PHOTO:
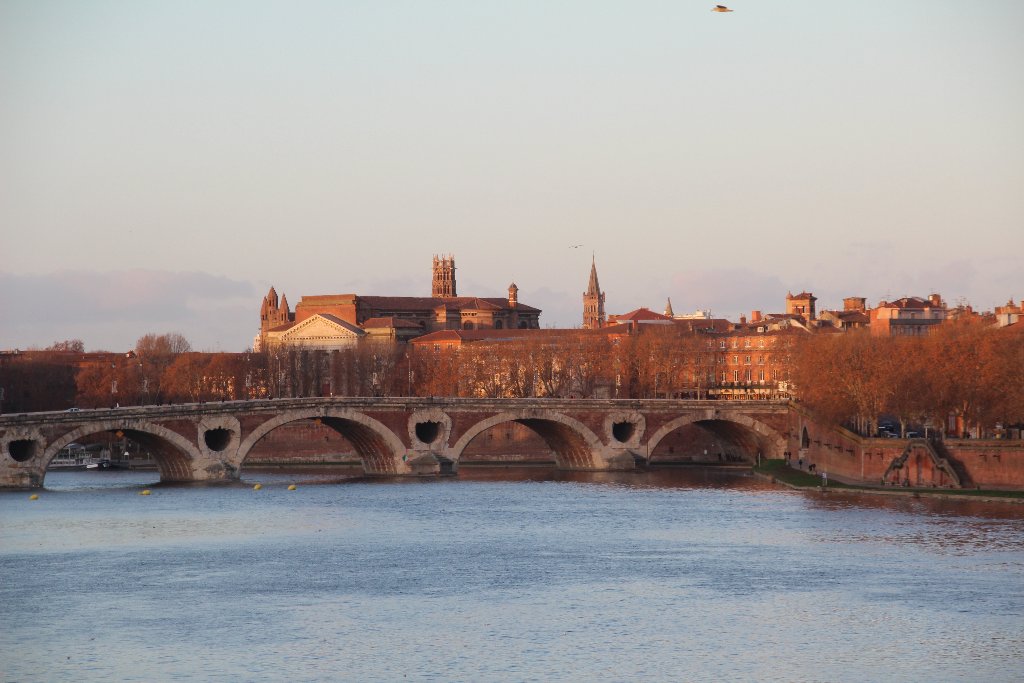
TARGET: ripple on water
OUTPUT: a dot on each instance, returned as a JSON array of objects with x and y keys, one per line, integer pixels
[{"x": 545, "y": 578}]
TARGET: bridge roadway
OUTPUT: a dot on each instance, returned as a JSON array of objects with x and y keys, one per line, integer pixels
[{"x": 393, "y": 436}]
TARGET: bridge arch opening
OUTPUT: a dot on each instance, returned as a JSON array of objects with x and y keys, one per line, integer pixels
[
  {"x": 428, "y": 431},
  {"x": 170, "y": 453},
  {"x": 217, "y": 439},
  {"x": 378, "y": 450},
  {"x": 22, "y": 450},
  {"x": 623, "y": 431},
  {"x": 712, "y": 442},
  {"x": 529, "y": 440}
]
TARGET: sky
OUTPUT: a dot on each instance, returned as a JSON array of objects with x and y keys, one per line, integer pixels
[{"x": 162, "y": 164}]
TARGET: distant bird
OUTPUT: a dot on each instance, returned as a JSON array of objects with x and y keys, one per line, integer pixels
[
  {"x": 721, "y": 8},
  {"x": 575, "y": 246}
]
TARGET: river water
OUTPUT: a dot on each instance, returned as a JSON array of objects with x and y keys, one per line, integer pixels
[{"x": 698, "y": 575}]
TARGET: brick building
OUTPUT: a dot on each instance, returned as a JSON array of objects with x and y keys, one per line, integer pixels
[
  {"x": 335, "y": 321},
  {"x": 907, "y": 317}
]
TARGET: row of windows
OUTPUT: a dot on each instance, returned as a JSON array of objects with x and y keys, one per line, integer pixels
[{"x": 735, "y": 344}]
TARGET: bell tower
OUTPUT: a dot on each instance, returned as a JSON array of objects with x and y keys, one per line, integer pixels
[
  {"x": 444, "y": 277},
  {"x": 593, "y": 301}
]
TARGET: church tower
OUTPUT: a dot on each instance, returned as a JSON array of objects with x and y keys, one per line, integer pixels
[
  {"x": 593, "y": 302},
  {"x": 444, "y": 277},
  {"x": 273, "y": 312}
]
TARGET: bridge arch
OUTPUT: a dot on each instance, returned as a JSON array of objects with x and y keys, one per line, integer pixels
[
  {"x": 378, "y": 447},
  {"x": 574, "y": 444},
  {"x": 749, "y": 432},
  {"x": 175, "y": 456}
]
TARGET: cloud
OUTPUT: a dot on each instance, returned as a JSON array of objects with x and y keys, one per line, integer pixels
[{"x": 113, "y": 309}]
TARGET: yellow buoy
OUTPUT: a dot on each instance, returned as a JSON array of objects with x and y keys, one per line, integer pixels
[
  {"x": 144, "y": 492},
  {"x": 34, "y": 496},
  {"x": 291, "y": 487},
  {"x": 257, "y": 487}
]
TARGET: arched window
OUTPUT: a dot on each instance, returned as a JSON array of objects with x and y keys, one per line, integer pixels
[
  {"x": 805, "y": 440},
  {"x": 468, "y": 325}
]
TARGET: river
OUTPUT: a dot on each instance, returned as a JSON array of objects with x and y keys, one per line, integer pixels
[{"x": 698, "y": 575}]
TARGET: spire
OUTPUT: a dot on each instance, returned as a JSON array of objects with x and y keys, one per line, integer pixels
[
  {"x": 668, "y": 309},
  {"x": 593, "y": 301},
  {"x": 593, "y": 288}
]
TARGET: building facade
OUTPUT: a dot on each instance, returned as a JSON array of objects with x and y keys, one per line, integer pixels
[{"x": 337, "y": 321}]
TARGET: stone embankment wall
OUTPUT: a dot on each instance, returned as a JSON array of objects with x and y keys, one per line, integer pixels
[{"x": 991, "y": 464}]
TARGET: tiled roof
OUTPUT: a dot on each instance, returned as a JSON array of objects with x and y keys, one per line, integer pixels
[
  {"x": 513, "y": 334},
  {"x": 642, "y": 314},
  {"x": 337, "y": 321},
  {"x": 428, "y": 303}
]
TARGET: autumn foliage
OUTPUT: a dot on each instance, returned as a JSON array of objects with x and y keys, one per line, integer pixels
[{"x": 964, "y": 370}]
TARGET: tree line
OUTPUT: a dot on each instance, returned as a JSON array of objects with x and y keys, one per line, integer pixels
[
  {"x": 962, "y": 369},
  {"x": 964, "y": 377}
]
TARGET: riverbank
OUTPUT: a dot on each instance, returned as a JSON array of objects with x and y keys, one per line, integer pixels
[{"x": 779, "y": 472}]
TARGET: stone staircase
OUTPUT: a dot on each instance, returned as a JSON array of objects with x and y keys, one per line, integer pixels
[{"x": 940, "y": 461}]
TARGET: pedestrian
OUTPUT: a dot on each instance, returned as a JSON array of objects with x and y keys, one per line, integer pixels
[
  {"x": 800, "y": 463},
  {"x": 824, "y": 478}
]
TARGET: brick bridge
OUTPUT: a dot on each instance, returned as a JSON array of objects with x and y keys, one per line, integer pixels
[{"x": 393, "y": 436}]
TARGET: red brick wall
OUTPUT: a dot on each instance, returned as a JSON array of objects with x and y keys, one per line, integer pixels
[{"x": 987, "y": 464}]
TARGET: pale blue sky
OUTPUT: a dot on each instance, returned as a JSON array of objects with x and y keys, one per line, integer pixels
[{"x": 163, "y": 163}]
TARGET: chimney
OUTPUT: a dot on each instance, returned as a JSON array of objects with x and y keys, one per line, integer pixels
[
  {"x": 755, "y": 316},
  {"x": 743, "y": 320},
  {"x": 855, "y": 303}
]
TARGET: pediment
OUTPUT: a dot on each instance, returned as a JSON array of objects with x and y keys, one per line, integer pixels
[{"x": 320, "y": 327}]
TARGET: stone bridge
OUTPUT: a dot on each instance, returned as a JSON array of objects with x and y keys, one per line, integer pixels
[{"x": 393, "y": 436}]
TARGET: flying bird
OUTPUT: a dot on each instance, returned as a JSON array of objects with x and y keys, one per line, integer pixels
[
  {"x": 575, "y": 246},
  {"x": 721, "y": 8}
]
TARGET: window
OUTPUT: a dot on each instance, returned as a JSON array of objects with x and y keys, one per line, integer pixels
[
  {"x": 746, "y": 343},
  {"x": 746, "y": 361},
  {"x": 735, "y": 375},
  {"x": 735, "y": 360},
  {"x": 735, "y": 343},
  {"x": 761, "y": 376},
  {"x": 760, "y": 343},
  {"x": 721, "y": 344},
  {"x": 760, "y": 360},
  {"x": 746, "y": 375}
]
